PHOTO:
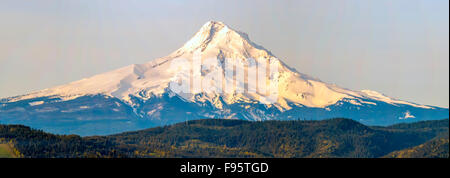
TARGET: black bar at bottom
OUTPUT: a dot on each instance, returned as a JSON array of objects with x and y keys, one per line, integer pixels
[{"x": 228, "y": 166}]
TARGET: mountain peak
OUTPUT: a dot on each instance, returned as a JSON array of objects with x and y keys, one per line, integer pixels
[
  {"x": 215, "y": 38},
  {"x": 213, "y": 24}
]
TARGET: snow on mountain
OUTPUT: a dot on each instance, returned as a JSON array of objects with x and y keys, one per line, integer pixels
[
  {"x": 407, "y": 115},
  {"x": 214, "y": 40}
]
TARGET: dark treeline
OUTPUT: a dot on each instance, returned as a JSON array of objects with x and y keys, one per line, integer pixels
[{"x": 235, "y": 138}]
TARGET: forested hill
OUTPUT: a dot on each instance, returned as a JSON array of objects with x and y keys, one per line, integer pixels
[
  {"x": 237, "y": 138},
  {"x": 436, "y": 148}
]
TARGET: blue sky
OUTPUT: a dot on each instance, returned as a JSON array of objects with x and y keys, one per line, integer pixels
[{"x": 399, "y": 48}]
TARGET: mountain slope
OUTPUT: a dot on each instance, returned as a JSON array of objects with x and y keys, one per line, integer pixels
[
  {"x": 140, "y": 95},
  {"x": 5, "y": 151},
  {"x": 436, "y": 148},
  {"x": 234, "y": 138},
  {"x": 214, "y": 40}
]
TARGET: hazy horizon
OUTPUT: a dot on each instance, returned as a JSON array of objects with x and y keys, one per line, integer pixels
[{"x": 399, "y": 48}]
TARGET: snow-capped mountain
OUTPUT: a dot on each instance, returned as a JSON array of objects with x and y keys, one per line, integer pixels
[{"x": 140, "y": 95}]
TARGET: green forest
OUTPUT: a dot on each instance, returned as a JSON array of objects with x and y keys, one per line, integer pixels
[{"x": 245, "y": 139}]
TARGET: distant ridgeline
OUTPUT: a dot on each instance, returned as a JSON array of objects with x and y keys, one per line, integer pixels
[{"x": 238, "y": 138}]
